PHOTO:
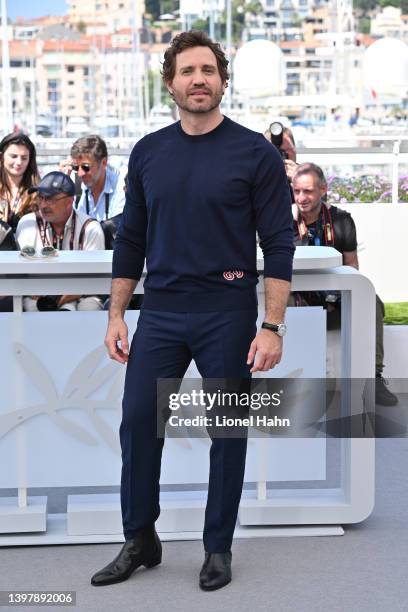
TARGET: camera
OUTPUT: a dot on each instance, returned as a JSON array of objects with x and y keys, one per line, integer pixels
[{"x": 276, "y": 130}]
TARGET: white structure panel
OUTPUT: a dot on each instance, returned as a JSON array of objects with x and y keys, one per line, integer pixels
[{"x": 353, "y": 501}]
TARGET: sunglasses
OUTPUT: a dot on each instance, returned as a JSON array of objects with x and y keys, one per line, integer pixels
[
  {"x": 84, "y": 167},
  {"x": 30, "y": 253},
  {"x": 44, "y": 198}
]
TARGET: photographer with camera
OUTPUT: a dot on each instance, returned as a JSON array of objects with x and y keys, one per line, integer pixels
[
  {"x": 58, "y": 226},
  {"x": 283, "y": 139},
  {"x": 316, "y": 224}
]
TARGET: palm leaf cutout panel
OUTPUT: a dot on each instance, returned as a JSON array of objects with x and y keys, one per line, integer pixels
[
  {"x": 36, "y": 372},
  {"x": 97, "y": 379},
  {"x": 109, "y": 436},
  {"x": 116, "y": 389},
  {"x": 83, "y": 371},
  {"x": 42, "y": 380}
]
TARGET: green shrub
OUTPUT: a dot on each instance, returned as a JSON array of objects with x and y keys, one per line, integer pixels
[{"x": 396, "y": 313}]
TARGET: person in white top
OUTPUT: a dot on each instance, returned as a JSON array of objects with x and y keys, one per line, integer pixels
[{"x": 57, "y": 224}]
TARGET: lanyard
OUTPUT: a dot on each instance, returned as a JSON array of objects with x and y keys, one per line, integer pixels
[
  {"x": 324, "y": 228},
  {"x": 106, "y": 203},
  {"x": 57, "y": 241},
  {"x": 9, "y": 208},
  {"x": 14, "y": 205}
]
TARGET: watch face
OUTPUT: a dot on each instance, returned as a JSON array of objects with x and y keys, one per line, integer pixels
[{"x": 281, "y": 329}]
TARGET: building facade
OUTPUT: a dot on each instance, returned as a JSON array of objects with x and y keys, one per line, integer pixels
[
  {"x": 390, "y": 22},
  {"x": 105, "y": 16}
]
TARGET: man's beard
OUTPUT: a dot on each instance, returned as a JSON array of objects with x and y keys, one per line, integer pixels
[{"x": 212, "y": 102}]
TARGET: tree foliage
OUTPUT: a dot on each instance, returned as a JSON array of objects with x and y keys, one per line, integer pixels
[
  {"x": 158, "y": 7},
  {"x": 239, "y": 9},
  {"x": 365, "y": 6},
  {"x": 402, "y": 4},
  {"x": 153, "y": 7},
  {"x": 201, "y": 24}
]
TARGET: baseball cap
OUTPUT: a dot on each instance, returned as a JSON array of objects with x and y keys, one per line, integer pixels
[{"x": 54, "y": 183}]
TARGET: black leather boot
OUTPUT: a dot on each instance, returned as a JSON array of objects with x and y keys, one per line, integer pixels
[
  {"x": 144, "y": 549},
  {"x": 383, "y": 396},
  {"x": 216, "y": 571}
]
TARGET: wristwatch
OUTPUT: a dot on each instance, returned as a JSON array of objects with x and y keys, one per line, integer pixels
[{"x": 279, "y": 329}]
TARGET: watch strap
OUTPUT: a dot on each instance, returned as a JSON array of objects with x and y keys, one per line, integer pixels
[{"x": 271, "y": 326}]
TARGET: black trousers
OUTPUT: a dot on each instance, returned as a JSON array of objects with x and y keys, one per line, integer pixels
[{"x": 162, "y": 347}]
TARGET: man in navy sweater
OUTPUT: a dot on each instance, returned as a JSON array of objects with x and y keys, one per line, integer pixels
[{"x": 198, "y": 192}]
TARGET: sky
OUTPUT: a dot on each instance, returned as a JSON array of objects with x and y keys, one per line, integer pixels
[{"x": 35, "y": 8}]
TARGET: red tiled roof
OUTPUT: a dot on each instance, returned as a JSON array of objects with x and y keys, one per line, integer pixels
[
  {"x": 366, "y": 39},
  {"x": 44, "y": 20},
  {"x": 298, "y": 44},
  {"x": 71, "y": 46},
  {"x": 22, "y": 48},
  {"x": 124, "y": 31}
]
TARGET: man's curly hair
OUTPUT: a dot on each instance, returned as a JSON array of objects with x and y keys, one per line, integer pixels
[{"x": 188, "y": 40}]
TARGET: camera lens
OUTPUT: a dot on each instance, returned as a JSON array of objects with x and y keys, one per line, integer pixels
[{"x": 276, "y": 128}]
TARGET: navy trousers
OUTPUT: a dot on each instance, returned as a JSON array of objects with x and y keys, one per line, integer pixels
[{"x": 162, "y": 347}]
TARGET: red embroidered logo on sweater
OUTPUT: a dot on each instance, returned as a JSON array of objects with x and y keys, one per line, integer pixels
[{"x": 231, "y": 274}]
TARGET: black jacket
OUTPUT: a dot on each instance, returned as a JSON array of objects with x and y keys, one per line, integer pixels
[{"x": 344, "y": 231}]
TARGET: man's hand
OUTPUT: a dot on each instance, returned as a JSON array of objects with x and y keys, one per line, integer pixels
[
  {"x": 290, "y": 167},
  {"x": 117, "y": 333},
  {"x": 265, "y": 351},
  {"x": 65, "y": 166},
  {"x": 122, "y": 291},
  {"x": 65, "y": 299}
]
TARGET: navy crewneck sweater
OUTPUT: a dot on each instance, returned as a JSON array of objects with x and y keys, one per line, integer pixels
[{"x": 193, "y": 207}]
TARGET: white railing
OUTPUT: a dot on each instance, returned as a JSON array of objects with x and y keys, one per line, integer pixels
[
  {"x": 358, "y": 162},
  {"x": 389, "y": 158}
]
